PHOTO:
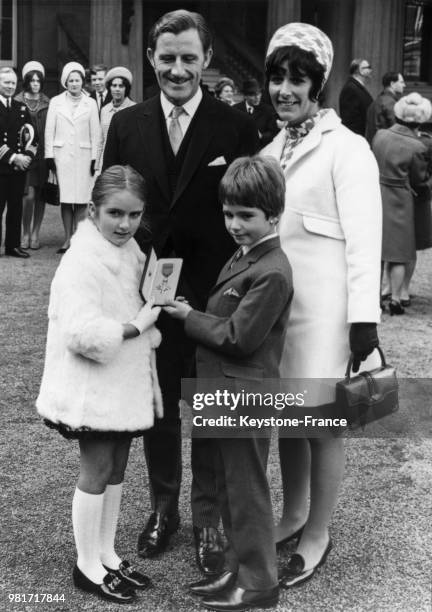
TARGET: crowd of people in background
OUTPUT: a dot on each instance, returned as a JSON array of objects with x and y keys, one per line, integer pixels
[{"x": 196, "y": 167}]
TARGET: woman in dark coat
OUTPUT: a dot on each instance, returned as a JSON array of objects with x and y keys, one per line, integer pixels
[
  {"x": 33, "y": 74},
  {"x": 403, "y": 163}
]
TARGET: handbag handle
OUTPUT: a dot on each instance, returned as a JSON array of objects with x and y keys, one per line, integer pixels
[{"x": 351, "y": 360}]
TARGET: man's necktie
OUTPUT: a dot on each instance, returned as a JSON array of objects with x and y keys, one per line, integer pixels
[
  {"x": 8, "y": 103},
  {"x": 175, "y": 133},
  {"x": 250, "y": 110},
  {"x": 100, "y": 102}
]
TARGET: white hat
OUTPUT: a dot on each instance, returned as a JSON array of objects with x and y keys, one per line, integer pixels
[
  {"x": 308, "y": 38},
  {"x": 33, "y": 65},
  {"x": 413, "y": 108},
  {"x": 119, "y": 72},
  {"x": 71, "y": 67}
]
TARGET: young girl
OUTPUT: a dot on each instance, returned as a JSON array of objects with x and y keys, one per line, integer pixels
[{"x": 99, "y": 383}]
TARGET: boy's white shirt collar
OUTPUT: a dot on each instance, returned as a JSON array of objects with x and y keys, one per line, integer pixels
[
  {"x": 190, "y": 106},
  {"x": 248, "y": 248}
]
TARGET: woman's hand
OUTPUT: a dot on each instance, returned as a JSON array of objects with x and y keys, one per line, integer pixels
[
  {"x": 146, "y": 317},
  {"x": 178, "y": 308},
  {"x": 363, "y": 339}
]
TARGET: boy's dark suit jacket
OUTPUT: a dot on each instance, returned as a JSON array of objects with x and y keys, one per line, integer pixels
[
  {"x": 241, "y": 336},
  {"x": 264, "y": 118},
  {"x": 186, "y": 220}
]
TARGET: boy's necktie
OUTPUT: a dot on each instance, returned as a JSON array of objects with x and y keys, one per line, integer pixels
[
  {"x": 175, "y": 133},
  {"x": 237, "y": 255}
]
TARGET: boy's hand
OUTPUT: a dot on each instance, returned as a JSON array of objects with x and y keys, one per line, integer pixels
[
  {"x": 179, "y": 308},
  {"x": 146, "y": 317}
]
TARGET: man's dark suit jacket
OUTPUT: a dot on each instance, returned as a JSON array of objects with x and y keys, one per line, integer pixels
[
  {"x": 265, "y": 120},
  {"x": 107, "y": 100},
  {"x": 354, "y": 100},
  {"x": 187, "y": 222}
]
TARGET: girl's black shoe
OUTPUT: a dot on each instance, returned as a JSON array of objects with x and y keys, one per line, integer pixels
[
  {"x": 395, "y": 308},
  {"x": 112, "y": 587},
  {"x": 130, "y": 576}
]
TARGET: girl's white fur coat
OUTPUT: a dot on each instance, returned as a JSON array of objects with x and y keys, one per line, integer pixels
[{"x": 92, "y": 377}]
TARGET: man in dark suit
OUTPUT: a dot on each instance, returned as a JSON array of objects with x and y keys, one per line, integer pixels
[
  {"x": 181, "y": 142},
  {"x": 99, "y": 93},
  {"x": 354, "y": 98},
  {"x": 262, "y": 114},
  {"x": 380, "y": 114},
  {"x": 16, "y": 154}
]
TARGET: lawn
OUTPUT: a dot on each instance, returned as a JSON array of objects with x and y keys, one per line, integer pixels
[{"x": 381, "y": 558}]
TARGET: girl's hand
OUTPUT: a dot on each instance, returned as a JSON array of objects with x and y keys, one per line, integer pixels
[
  {"x": 179, "y": 308},
  {"x": 146, "y": 317}
]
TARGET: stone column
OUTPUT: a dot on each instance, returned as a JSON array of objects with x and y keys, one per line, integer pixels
[
  {"x": 378, "y": 36},
  {"x": 105, "y": 40},
  {"x": 280, "y": 12},
  {"x": 335, "y": 18}
]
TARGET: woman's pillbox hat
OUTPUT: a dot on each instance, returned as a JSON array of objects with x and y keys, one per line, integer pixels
[
  {"x": 306, "y": 37},
  {"x": 68, "y": 68},
  {"x": 413, "y": 108},
  {"x": 119, "y": 72},
  {"x": 30, "y": 66}
]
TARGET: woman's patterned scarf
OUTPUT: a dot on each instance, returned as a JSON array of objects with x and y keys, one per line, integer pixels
[{"x": 296, "y": 133}]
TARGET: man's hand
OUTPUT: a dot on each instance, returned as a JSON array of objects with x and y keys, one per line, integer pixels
[
  {"x": 21, "y": 162},
  {"x": 178, "y": 309}
]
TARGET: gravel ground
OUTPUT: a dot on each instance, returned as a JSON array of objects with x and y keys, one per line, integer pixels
[{"x": 381, "y": 530}]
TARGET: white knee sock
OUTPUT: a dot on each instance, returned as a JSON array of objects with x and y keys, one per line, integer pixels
[
  {"x": 110, "y": 514},
  {"x": 86, "y": 521}
]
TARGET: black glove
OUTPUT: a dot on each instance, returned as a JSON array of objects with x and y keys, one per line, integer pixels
[
  {"x": 92, "y": 167},
  {"x": 51, "y": 164},
  {"x": 363, "y": 339}
]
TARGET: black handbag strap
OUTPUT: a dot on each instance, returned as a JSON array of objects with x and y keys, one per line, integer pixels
[{"x": 351, "y": 360}]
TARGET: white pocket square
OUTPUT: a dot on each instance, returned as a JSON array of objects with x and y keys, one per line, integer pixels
[
  {"x": 219, "y": 161},
  {"x": 231, "y": 291}
]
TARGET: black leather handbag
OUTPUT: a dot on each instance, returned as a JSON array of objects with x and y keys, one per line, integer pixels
[
  {"x": 50, "y": 191},
  {"x": 367, "y": 396}
]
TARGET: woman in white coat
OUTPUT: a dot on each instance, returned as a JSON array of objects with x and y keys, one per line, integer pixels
[
  {"x": 71, "y": 143},
  {"x": 331, "y": 233},
  {"x": 100, "y": 384}
]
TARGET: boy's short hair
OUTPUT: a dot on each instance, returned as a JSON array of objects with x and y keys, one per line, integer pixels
[{"x": 256, "y": 182}]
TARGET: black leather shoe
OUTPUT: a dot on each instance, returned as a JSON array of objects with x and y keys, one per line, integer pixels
[
  {"x": 210, "y": 556},
  {"x": 294, "y": 536},
  {"x": 236, "y": 598},
  {"x": 131, "y": 576},
  {"x": 17, "y": 252},
  {"x": 155, "y": 537},
  {"x": 112, "y": 588},
  {"x": 294, "y": 574},
  {"x": 209, "y": 586}
]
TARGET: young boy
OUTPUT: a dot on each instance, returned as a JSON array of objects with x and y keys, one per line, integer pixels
[{"x": 241, "y": 335}]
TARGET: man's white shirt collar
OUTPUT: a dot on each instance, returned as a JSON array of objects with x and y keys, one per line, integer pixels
[
  {"x": 190, "y": 106},
  {"x": 4, "y": 100}
]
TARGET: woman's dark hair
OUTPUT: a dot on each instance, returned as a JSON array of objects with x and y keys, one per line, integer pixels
[
  {"x": 28, "y": 77},
  {"x": 254, "y": 182},
  {"x": 125, "y": 83},
  {"x": 300, "y": 63},
  {"x": 119, "y": 178}
]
